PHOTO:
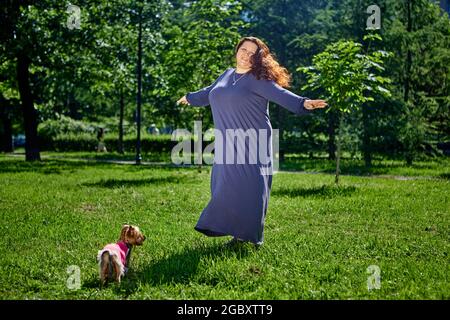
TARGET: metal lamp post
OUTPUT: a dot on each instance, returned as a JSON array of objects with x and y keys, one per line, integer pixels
[{"x": 139, "y": 90}]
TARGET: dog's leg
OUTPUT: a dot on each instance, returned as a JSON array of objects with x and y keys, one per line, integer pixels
[
  {"x": 118, "y": 272},
  {"x": 104, "y": 267},
  {"x": 128, "y": 259}
]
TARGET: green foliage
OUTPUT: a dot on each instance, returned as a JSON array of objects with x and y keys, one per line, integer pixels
[
  {"x": 200, "y": 44},
  {"x": 419, "y": 35},
  {"x": 294, "y": 31},
  {"x": 347, "y": 75},
  {"x": 64, "y": 125},
  {"x": 83, "y": 73},
  {"x": 87, "y": 141},
  {"x": 298, "y": 142}
]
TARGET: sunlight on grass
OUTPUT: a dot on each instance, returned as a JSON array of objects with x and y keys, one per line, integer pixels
[{"x": 319, "y": 238}]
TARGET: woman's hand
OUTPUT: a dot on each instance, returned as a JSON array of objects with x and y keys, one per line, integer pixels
[
  {"x": 183, "y": 100},
  {"x": 315, "y": 104}
]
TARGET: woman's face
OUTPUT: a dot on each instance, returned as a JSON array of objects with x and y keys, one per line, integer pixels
[{"x": 244, "y": 54}]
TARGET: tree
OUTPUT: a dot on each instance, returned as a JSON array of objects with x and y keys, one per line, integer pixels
[
  {"x": 18, "y": 38},
  {"x": 36, "y": 39},
  {"x": 419, "y": 36},
  {"x": 200, "y": 39},
  {"x": 9, "y": 106},
  {"x": 348, "y": 76},
  {"x": 293, "y": 30}
]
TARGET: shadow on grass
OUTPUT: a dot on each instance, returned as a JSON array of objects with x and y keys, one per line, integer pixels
[
  {"x": 176, "y": 268},
  {"x": 324, "y": 191},
  {"x": 180, "y": 267},
  {"x": 93, "y": 282},
  {"x": 322, "y": 166},
  {"x": 57, "y": 166},
  {"x": 445, "y": 175},
  {"x": 46, "y": 166},
  {"x": 357, "y": 167},
  {"x": 113, "y": 183}
]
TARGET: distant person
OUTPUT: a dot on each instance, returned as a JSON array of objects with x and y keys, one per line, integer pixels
[
  {"x": 100, "y": 137},
  {"x": 239, "y": 100},
  {"x": 153, "y": 130}
]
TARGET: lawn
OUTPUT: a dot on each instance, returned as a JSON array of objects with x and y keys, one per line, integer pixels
[{"x": 319, "y": 239}]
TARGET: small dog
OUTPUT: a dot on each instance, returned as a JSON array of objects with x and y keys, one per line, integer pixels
[{"x": 114, "y": 258}]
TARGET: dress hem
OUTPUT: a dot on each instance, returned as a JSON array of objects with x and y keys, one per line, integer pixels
[{"x": 211, "y": 233}]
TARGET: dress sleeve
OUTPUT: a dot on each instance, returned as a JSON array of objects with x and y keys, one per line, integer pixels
[
  {"x": 200, "y": 98},
  {"x": 272, "y": 91}
]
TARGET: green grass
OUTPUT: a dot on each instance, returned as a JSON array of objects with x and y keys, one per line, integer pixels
[
  {"x": 435, "y": 168},
  {"x": 430, "y": 168},
  {"x": 319, "y": 239}
]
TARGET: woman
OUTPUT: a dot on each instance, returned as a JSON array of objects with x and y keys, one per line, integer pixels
[{"x": 239, "y": 100}]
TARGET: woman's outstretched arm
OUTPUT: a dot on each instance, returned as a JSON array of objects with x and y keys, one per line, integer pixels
[
  {"x": 270, "y": 90},
  {"x": 199, "y": 98}
]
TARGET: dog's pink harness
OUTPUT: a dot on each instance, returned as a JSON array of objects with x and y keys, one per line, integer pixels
[{"x": 121, "y": 250}]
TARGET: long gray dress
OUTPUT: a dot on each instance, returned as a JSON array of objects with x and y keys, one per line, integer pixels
[{"x": 240, "y": 190}]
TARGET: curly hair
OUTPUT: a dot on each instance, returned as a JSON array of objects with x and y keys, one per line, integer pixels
[{"x": 264, "y": 64}]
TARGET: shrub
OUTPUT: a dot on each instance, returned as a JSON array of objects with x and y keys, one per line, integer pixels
[{"x": 52, "y": 128}]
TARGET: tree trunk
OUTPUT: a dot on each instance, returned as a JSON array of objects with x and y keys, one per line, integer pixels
[
  {"x": 7, "y": 145},
  {"x": 408, "y": 55},
  {"x": 366, "y": 147},
  {"x": 338, "y": 155},
  {"x": 406, "y": 84},
  {"x": 30, "y": 116},
  {"x": 331, "y": 135},
  {"x": 72, "y": 106},
  {"x": 139, "y": 89},
  {"x": 407, "y": 74},
  {"x": 122, "y": 110},
  {"x": 409, "y": 159},
  {"x": 5, "y": 113}
]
